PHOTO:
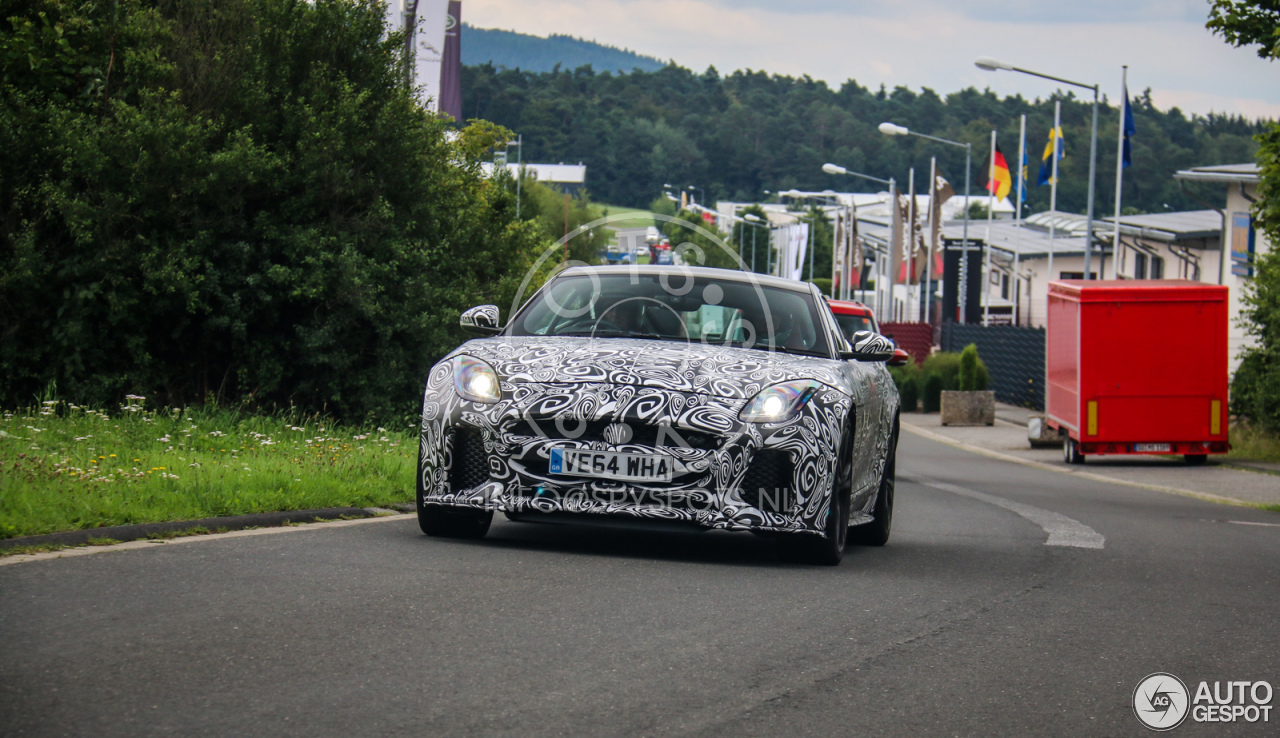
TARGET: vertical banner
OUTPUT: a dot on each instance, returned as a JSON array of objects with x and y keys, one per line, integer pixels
[
  {"x": 428, "y": 49},
  {"x": 791, "y": 241},
  {"x": 451, "y": 66}
]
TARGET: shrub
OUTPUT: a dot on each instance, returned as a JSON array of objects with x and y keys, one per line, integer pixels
[
  {"x": 946, "y": 366},
  {"x": 973, "y": 374},
  {"x": 907, "y": 379},
  {"x": 931, "y": 393},
  {"x": 823, "y": 284}
]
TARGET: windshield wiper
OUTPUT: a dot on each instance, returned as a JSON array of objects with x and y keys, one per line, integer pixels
[
  {"x": 610, "y": 333},
  {"x": 782, "y": 349}
]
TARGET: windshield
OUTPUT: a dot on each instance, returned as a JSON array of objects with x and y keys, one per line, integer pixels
[
  {"x": 851, "y": 324},
  {"x": 675, "y": 307}
]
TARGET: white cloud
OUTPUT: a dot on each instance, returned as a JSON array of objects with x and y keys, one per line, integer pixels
[{"x": 925, "y": 44}]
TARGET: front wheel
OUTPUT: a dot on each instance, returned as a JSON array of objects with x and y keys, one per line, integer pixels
[
  {"x": 806, "y": 548},
  {"x": 442, "y": 521},
  {"x": 453, "y": 522}
]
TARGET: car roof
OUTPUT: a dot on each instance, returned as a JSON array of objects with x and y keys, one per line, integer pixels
[
  {"x": 728, "y": 275},
  {"x": 847, "y": 307}
]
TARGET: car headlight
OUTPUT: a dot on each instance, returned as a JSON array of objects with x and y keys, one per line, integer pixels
[
  {"x": 778, "y": 402},
  {"x": 475, "y": 380}
]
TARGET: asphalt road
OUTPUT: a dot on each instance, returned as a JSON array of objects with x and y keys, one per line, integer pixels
[{"x": 967, "y": 623}]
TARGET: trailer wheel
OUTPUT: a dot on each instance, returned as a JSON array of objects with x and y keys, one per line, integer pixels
[
  {"x": 1071, "y": 451},
  {"x": 1195, "y": 459}
]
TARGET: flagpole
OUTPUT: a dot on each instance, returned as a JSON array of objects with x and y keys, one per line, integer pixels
[
  {"x": 909, "y": 262},
  {"x": 1017, "y": 234},
  {"x": 1053, "y": 189},
  {"x": 1115, "y": 240},
  {"x": 992, "y": 188},
  {"x": 928, "y": 268}
]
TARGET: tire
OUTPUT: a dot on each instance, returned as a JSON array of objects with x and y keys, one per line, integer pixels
[
  {"x": 876, "y": 533},
  {"x": 1071, "y": 451},
  {"x": 1195, "y": 459},
  {"x": 453, "y": 522},
  {"x": 827, "y": 550},
  {"x": 441, "y": 521}
]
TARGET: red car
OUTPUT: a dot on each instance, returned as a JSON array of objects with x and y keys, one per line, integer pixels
[{"x": 853, "y": 317}]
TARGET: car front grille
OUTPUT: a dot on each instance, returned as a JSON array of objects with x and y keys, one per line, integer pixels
[
  {"x": 641, "y": 434},
  {"x": 767, "y": 484},
  {"x": 470, "y": 467}
]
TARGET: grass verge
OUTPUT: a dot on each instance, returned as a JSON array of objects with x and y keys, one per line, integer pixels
[
  {"x": 1248, "y": 442},
  {"x": 67, "y": 467}
]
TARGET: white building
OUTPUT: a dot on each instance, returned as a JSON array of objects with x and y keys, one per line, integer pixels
[{"x": 1244, "y": 242}]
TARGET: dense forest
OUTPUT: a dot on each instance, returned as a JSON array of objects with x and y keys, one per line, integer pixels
[
  {"x": 739, "y": 135},
  {"x": 511, "y": 50}
]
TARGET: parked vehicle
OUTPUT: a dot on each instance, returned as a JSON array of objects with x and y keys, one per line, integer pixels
[
  {"x": 1138, "y": 367},
  {"x": 704, "y": 397},
  {"x": 853, "y": 316}
]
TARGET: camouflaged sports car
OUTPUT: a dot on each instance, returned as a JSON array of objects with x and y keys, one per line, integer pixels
[{"x": 671, "y": 395}]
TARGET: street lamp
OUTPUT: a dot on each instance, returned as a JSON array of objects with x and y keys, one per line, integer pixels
[
  {"x": 756, "y": 221},
  {"x": 518, "y": 143},
  {"x": 993, "y": 65},
  {"x": 889, "y": 129},
  {"x": 830, "y": 168}
]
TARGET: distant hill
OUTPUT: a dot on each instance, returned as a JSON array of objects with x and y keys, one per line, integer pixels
[{"x": 537, "y": 54}]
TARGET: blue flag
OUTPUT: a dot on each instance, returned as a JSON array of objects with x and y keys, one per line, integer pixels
[
  {"x": 1046, "y": 161},
  {"x": 1022, "y": 178},
  {"x": 1129, "y": 129}
]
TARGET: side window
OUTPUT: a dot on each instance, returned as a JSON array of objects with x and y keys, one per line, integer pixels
[{"x": 833, "y": 327}]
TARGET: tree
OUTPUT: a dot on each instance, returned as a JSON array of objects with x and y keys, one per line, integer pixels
[
  {"x": 1256, "y": 386},
  {"x": 237, "y": 199}
]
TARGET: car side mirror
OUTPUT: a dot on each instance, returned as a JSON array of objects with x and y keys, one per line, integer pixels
[
  {"x": 900, "y": 358},
  {"x": 868, "y": 346},
  {"x": 481, "y": 319}
]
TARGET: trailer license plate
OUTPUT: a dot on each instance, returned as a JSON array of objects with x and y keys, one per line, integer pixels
[
  {"x": 1159, "y": 448},
  {"x": 579, "y": 462}
]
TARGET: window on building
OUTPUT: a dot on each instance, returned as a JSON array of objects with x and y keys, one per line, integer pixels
[
  {"x": 1140, "y": 266},
  {"x": 1157, "y": 267},
  {"x": 1076, "y": 275}
]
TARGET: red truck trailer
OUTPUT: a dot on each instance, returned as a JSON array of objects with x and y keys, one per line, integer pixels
[{"x": 1137, "y": 367}]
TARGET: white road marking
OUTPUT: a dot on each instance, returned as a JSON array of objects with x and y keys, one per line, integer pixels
[
  {"x": 1250, "y": 522},
  {"x": 1063, "y": 531}
]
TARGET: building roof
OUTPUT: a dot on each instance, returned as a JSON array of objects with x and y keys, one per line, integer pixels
[
  {"x": 1170, "y": 227},
  {"x": 1226, "y": 173},
  {"x": 559, "y": 173}
]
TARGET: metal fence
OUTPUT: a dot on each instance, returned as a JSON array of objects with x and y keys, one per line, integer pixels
[{"x": 1014, "y": 357}]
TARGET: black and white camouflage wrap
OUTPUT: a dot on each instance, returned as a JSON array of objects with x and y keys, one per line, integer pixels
[{"x": 554, "y": 387}]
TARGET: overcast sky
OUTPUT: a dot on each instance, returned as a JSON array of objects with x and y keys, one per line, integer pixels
[{"x": 927, "y": 43}]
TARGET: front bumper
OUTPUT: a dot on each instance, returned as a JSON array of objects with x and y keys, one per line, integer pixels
[{"x": 727, "y": 474}]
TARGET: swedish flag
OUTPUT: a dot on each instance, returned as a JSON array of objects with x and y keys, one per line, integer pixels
[{"x": 1046, "y": 161}]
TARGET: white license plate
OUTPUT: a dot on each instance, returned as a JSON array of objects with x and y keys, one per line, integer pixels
[
  {"x": 578, "y": 462},
  {"x": 1159, "y": 448}
]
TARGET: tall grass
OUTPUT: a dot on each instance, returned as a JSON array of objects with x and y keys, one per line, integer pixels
[
  {"x": 1252, "y": 443},
  {"x": 68, "y": 467}
]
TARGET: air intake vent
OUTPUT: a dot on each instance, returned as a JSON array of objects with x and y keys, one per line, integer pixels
[
  {"x": 767, "y": 484},
  {"x": 470, "y": 463}
]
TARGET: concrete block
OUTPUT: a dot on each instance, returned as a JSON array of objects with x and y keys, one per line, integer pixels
[
  {"x": 1040, "y": 435},
  {"x": 968, "y": 408}
]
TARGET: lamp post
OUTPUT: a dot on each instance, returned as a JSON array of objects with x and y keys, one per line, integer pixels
[
  {"x": 519, "y": 144},
  {"x": 889, "y": 129},
  {"x": 993, "y": 65},
  {"x": 830, "y": 168},
  {"x": 752, "y": 219}
]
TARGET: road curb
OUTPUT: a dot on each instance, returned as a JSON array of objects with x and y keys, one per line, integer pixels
[
  {"x": 1206, "y": 497},
  {"x": 139, "y": 531}
]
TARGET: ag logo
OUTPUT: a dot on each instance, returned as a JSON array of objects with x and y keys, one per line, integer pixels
[{"x": 1160, "y": 701}]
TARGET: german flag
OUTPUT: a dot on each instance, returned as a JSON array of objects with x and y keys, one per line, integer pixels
[{"x": 1002, "y": 182}]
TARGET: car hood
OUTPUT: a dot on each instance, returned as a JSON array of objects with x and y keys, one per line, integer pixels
[{"x": 735, "y": 373}]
